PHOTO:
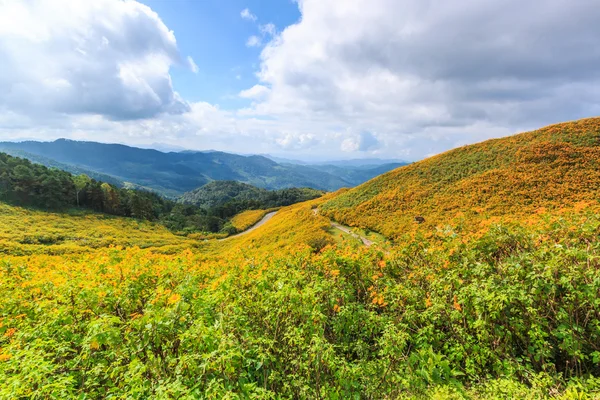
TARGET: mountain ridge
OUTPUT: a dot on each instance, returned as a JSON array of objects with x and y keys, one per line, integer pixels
[{"x": 174, "y": 173}]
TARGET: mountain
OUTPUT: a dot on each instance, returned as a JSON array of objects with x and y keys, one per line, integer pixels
[
  {"x": 354, "y": 163},
  {"x": 516, "y": 177},
  {"x": 175, "y": 173},
  {"x": 355, "y": 175}
]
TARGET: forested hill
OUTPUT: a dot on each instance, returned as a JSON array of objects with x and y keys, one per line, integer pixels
[
  {"x": 28, "y": 184},
  {"x": 175, "y": 173},
  {"x": 218, "y": 193},
  {"x": 515, "y": 178}
]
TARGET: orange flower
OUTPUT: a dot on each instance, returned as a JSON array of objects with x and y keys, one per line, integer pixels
[
  {"x": 456, "y": 304},
  {"x": 428, "y": 302},
  {"x": 10, "y": 332}
]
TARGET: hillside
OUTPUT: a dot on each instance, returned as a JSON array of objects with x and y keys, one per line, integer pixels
[
  {"x": 514, "y": 178},
  {"x": 175, "y": 173}
]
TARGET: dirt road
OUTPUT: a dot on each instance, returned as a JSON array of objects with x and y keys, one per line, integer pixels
[
  {"x": 347, "y": 229},
  {"x": 264, "y": 219}
]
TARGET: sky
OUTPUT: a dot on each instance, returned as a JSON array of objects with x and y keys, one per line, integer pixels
[{"x": 305, "y": 79}]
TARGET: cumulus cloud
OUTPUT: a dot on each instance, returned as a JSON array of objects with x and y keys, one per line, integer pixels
[
  {"x": 395, "y": 78},
  {"x": 247, "y": 15},
  {"x": 268, "y": 29},
  {"x": 103, "y": 57},
  {"x": 363, "y": 141},
  {"x": 293, "y": 141},
  {"x": 434, "y": 69}
]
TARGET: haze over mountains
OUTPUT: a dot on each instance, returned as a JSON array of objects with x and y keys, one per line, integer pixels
[{"x": 174, "y": 173}]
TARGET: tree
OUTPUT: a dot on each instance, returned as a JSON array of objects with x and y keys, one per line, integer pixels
[
  {"x": 80, "y": 181},
  {"x": 111, "y": 198}
]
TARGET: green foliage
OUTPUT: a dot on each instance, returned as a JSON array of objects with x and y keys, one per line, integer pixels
[
  {"x": 27, "y": 184},
  {"x": 228, "y": 198}
]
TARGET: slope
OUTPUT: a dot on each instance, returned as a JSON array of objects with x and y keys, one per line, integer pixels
[{"x": 512, "y": 178}]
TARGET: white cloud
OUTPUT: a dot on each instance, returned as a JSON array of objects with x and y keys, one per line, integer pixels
[
  {"x": 255, "y": 92},
  {"x": 253, "y": 41},
  {"x": 362, "y": 142},
  {"x": 393, "y": 78},
  {"x": 426, "y": 74},
  {"x": 247, "y": 15},
  {"x": 103, "y": 57},
  {"x": 192, "y": 64},
  {"x": 268, "y": 29}
]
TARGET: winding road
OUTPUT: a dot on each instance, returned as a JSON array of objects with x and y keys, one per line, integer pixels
[
  {"x": 346, "y": 229},
  {"x": 260, "y": 223},
  {"x": 335, "y": 225}
]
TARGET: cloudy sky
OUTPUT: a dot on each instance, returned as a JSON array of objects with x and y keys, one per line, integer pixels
[{"x": 312, "y": 79}]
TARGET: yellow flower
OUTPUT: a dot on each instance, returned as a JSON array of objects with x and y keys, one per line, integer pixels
[{"x": 174, "y": 298}]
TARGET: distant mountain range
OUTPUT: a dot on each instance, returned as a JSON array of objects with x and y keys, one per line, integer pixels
[
  {"x": 175, "y": 173},
  {"x": 363, "y": 163}
]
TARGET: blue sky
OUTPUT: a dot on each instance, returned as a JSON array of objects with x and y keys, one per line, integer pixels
[
  {"x": 214, "y": 34},
  {"x": 305, "y": 79}
]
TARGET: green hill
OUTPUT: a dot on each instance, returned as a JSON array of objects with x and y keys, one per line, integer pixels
[{"x": 219, "y": 193}]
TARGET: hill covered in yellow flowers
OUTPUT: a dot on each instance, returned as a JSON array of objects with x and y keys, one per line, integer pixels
[{"x": 550, "y": 170}]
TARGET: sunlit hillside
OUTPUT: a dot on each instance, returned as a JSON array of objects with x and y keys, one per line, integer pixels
[
  {"x": 25, "y": 231},
  {"x": 513, "y": 179}
]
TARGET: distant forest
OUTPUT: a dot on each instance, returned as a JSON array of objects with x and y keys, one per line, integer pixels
[{"x": 24, "y": 183}]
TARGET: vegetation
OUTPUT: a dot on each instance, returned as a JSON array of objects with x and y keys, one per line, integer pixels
[
  {"x": 26, "y": 232},
  {"x": 499, "y": 304},
  {"x": 223, "y": 193},
  {"x": 512, "y": 315}
]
